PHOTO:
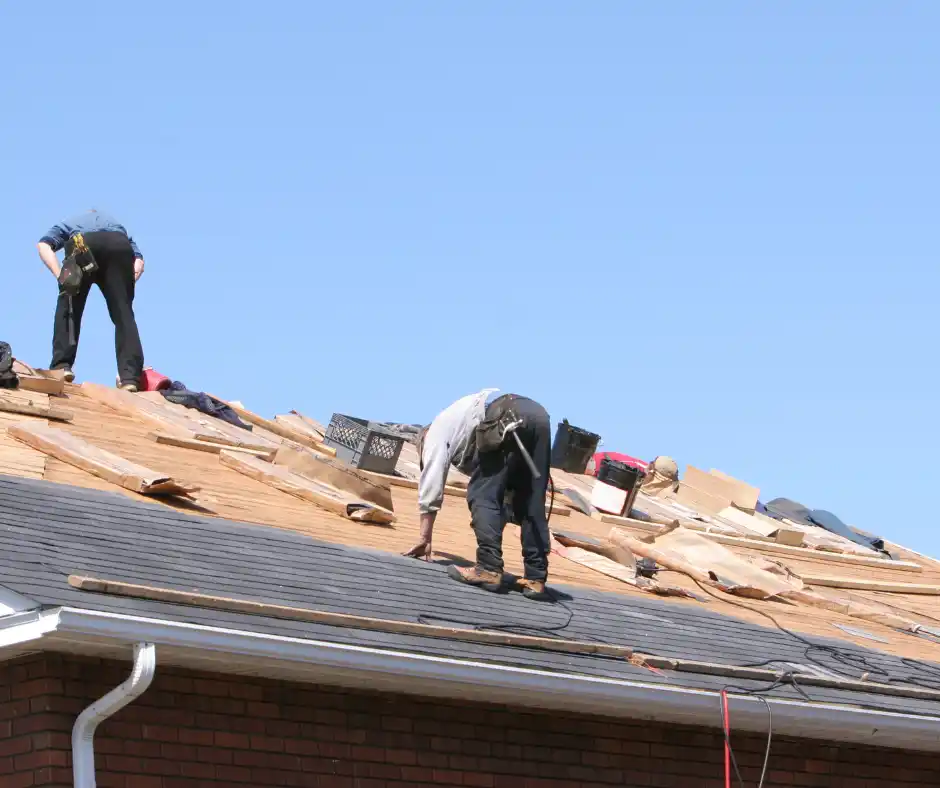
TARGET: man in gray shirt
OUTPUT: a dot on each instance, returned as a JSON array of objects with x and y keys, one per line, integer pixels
[
  {"x": 452, "y": 439},
  {"x": 120, "y": 265}
]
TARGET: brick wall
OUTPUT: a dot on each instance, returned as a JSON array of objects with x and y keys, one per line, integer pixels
[{"x": 191, "y": 730}]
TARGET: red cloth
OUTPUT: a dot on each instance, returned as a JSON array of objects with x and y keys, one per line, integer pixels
[{"x": 633, "y": 462}]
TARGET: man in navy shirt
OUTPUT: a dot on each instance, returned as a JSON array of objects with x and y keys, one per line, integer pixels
[{"x": 120, "y": 265}]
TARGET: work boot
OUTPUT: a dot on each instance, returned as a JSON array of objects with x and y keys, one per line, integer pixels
[
  {"x": 535, "y": 590},
  {"x": 130, "y": 387},
  {"x": 475, "y": 576},
  {"x": 65, "y": 373}
]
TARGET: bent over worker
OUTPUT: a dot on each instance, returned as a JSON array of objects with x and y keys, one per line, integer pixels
[
  {"x": 471, "y": 433},
  {"x": 119, "y": 266}
]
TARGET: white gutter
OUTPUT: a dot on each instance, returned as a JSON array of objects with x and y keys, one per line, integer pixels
[
  {"x": 299, "y": 659},
  {"x": 83, "y": 732}
]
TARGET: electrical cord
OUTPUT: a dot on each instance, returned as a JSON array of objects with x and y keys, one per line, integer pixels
[
  {"x": 551, "y": 503},
  {"x": 725, "y": 726},
  {"x": 842, "y": 657},
  {"x": 519, "y": 629},
  {"x": 729, "y": 750}
]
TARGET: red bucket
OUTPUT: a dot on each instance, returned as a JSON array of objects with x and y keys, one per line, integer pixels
[{"x": 152, "y": 380}]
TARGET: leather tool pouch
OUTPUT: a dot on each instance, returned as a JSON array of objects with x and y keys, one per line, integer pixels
[
  {"x": 489, "y": 435},
  {"x": 78, "y": 264}
]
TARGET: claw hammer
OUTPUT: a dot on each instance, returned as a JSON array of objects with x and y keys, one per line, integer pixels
[{"x": 510, "y": 424}]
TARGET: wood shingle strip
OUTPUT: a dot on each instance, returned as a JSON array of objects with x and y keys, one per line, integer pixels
[
  {"x": 317, "y": 492},
  {"x": 104, "y": 464}
]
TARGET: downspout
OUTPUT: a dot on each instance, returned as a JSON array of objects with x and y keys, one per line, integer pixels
[{"x": 83, "y": 732}]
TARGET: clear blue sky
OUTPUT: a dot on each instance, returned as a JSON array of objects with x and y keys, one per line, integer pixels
[{"x": 707, "y": 230}]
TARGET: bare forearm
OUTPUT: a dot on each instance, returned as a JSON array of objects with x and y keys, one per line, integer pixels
[
  {"x": 48, "y": 258},
  {"x": 427, "y": 526}
]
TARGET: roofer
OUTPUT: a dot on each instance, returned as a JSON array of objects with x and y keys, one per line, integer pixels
[
  {"x": 474, "y": 434},
  {"x": 118, "y": 264}
]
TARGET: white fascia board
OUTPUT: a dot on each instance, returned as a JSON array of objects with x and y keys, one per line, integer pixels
[
  {"x": 298, "y": 659},
  {"x": 20, "y": 628}
]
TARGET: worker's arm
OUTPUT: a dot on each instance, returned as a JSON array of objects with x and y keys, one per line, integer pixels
[
  {"x": 138, "y": 257},
  {"x": 435, "y": 457},
  {"x": 49, "y": 244},
  {"x": 47, "y": 255}
]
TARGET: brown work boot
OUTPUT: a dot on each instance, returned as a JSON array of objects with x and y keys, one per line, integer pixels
[
  {"x": 475, "y": 576},
  {"x": 534, "y": 589}
]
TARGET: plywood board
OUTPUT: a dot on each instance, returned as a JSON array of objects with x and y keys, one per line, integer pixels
[
  {"x": 743, "y": 495},
  {"x": 104, "y": 464},
  {"x": 698, "y": 500},
  {"x": 324, "y": 495},
  {"x": 753, "y": 523}
]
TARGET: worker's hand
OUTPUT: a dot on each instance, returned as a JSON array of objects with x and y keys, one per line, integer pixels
[
  {"x": 138, "y": 268},
  {"x": 420, "y": 550}
]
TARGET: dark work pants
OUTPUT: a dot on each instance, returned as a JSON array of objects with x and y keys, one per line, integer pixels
[
  {"x": 505, "y": 470},
  {"x": 115, "y": 279}
]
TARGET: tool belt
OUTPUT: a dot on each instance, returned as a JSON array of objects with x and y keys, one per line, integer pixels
[
  {"x": 78, "y": 264},
  {"x": 8, "y": 378},
  {"x": 490, "y": 433}
]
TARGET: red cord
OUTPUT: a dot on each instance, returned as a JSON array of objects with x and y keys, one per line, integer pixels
[{"x": 727, "y": 731}]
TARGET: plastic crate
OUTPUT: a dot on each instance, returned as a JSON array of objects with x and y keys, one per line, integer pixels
[{"x": 363, "y": 444}]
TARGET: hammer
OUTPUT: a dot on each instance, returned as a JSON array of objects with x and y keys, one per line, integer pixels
[{"x": 512, "y": 424}]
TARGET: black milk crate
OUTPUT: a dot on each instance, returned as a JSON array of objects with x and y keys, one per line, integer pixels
[{"x": 363, "y": 444}]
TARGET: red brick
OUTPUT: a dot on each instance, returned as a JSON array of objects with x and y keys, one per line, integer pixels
[
  {"x": 22, "y": 780},
  {"x": 190, "y": 736},
  {"x": 40, "y": 758},
  {"x": 15, "y": 746},
  {"x": 202, "y": 771},
  {"x": 40, "y": 686},
  {"x": 234, "y": 774}
]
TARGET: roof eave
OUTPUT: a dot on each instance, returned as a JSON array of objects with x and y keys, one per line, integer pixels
[{"x": 250, "y": 653}]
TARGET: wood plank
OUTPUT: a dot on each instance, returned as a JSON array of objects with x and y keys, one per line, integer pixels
[
  {"x": 337, "y": 474},
  {"x": 78, "y": 452},
  {"x": 488, "y": 637},
  {"x": 42, "y": 385},
  {"x": 280, "y": 429},
  {"x": 765, "y": 545},
  {"x": 412, "y": 484},
  {"x": 297, "y": 421},
  {"x": 323, "y": 495},
  {"x": 204, "y": 446},
  {"x": 871, "y": 585},
  {"x": 25, "y": 408},
  {"x": 240, "y": 605}
]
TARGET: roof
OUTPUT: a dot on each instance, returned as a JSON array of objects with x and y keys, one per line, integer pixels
[{"x": 248, "y": 540}]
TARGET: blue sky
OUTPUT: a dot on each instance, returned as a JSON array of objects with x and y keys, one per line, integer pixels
[{"x": 702, "y": 230}]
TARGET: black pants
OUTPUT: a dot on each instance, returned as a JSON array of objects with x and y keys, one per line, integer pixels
[
  {"x": 115, "y": 279},
  {"x": 505, "y": 471}
]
